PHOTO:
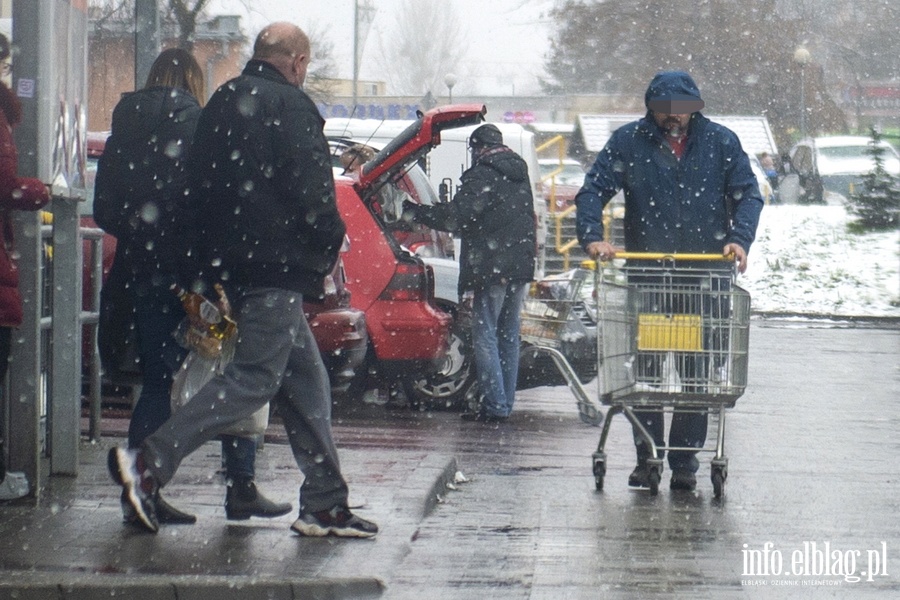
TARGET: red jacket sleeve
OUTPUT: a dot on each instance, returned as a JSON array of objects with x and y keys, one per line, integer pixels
[{"x": 18, "y": 193}]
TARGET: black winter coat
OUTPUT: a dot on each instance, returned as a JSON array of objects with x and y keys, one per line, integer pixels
[
  {"x": 493, "y": 214},
  {"x": 262, "y": 202},
  {"x": 141, "y": 178}
]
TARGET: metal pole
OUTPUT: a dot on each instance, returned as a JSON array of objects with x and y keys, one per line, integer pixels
[
  {"x": 146, "y": 39},
  {"x": 802, "y": 101},
  {"x": 24, "y": 439},
  {"x": 355, "y": 53}
]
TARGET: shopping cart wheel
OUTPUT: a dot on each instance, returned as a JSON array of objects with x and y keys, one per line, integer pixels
[
  {"x": 599, "y": 469},
  {"x": 718, "y": 476},
  {"x": 655, "y": 468}
]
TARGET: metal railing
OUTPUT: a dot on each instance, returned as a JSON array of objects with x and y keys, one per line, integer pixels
[
  {"x": 565, "y": 244},
  {"x": 89, "y": 319}
]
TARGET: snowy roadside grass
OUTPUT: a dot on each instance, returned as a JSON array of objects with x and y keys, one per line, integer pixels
[{"x": 805, "y": 261}]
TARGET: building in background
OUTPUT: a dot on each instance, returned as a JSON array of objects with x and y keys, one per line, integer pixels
[{"x": 219, "y": 46}]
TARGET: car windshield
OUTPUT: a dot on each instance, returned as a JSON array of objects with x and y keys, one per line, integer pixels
[{"x": 852, "y": 152}]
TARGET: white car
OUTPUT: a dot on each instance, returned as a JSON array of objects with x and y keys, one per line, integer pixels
[{"x": 836, "y": 164}]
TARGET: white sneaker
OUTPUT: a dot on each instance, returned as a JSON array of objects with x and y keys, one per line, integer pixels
[{"x": 14, "y": 486}]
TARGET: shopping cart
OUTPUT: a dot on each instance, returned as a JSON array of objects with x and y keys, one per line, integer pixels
[
  {"x": 549, "y": 305},
  {"x": 674, "y": 334}
]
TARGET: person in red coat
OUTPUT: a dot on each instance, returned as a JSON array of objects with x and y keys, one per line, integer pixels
[{"x": 16, "y": 193}]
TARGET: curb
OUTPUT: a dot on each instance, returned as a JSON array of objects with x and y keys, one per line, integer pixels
[
  {"x": 847, "y": 321},
  {"x": 38, "y": 586}
]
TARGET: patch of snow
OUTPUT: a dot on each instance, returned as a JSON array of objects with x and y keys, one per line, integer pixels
[{"x": 804, "y": 260}]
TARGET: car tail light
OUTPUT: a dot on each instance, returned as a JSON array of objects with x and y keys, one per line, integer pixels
[{"x": 410, "y": 283}]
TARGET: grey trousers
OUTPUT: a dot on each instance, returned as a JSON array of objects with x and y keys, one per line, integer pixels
[{"x": 275, "y": 359}]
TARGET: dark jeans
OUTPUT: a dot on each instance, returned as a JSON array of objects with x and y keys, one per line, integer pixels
[
  {"x": 5, "y": 346},
  {"x": 682, "y": 294},
  {"x": 158, "y": 313}
]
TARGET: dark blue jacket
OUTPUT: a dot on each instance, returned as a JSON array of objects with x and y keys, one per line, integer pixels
[{"x": 697, "y": 204}]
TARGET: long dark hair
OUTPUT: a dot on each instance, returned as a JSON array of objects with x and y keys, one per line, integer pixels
[
  {"x": 9, "y": 104},
  {"x": 177, "y": 68}
]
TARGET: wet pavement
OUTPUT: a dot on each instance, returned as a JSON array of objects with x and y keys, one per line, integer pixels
[{"x": 810, "y": 503}]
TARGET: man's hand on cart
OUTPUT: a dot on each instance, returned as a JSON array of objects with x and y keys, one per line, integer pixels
[
  {"x": 603, "y": 250},
  {"x": 740, "y": 256}
]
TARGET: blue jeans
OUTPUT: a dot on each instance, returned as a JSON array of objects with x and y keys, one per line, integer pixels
[
  {"x": 495, "y": 335},
  {"x": 157, "y": 314}
]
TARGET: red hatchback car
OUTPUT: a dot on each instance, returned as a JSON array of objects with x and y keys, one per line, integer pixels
[{"x": 408, "y": 334}]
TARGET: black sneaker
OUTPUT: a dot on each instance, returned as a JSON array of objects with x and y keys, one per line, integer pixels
[
  {"x": 126, "y": 467},
  {"x": 640, "y": 477},
  {"x": 683, "y": 480},
  {"x": 338, "y": 521}
]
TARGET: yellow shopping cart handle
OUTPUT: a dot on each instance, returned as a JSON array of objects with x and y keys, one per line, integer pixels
[{"x": 592, "y": 264}]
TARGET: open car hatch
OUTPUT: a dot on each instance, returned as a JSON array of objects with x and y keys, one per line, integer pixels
[{"x": 417, "y": 140}]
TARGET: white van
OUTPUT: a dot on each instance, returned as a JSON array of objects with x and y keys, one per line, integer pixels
[{"x": 447, "y": 161}]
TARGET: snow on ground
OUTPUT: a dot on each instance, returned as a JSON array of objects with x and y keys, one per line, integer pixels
[{"x": 805, "y": 261}]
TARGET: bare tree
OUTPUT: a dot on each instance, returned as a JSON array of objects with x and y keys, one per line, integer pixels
[
  {"x": 739, "y": 51},
  {"x": 184, "y": 16},
  {"x": 424, "y": 46}
]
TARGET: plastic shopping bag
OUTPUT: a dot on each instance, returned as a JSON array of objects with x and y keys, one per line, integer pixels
[{"x": 197, "y": 370}]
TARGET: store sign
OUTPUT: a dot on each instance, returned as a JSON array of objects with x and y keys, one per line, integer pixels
[
  {"x": 383, "y": 112},
  {"x": 518, "y": 116},
  {"x": 876, "y": 96}
]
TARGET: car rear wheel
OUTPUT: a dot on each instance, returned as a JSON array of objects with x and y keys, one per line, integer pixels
[{"x": 446, "y": 386}]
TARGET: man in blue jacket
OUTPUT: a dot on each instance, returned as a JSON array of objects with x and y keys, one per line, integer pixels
[{"x": 688, "y": 189}]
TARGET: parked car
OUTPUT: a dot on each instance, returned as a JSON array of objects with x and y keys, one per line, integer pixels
[
  {"x": 833, "y": 164},
  {"x": 340, "y": 329},
  {"x": 561, "y": 178},
  {"x": 412, "y": 340},
  {"x": 452, "y": 374}
]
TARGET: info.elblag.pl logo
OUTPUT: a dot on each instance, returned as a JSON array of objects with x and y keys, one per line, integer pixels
[{"x": 821, "y": 561}]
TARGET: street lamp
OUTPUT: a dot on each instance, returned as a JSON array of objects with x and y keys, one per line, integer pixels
[
  {"x": 450, "y": 81},
  {"x": 802, "y": 58}
]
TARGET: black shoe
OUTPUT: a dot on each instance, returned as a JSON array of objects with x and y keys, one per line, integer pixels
[
  {"x": 338, "y": 521},
  {"x": 243, "y": 500},
  {"x": 166, "y": 514},
  {"x": 684, "y": 480},
  {"x": 483, "y": 417},
  {"x": 139, "y": 488},
  {"x": 640, "y": 477},
  {"x": 169, "y": 515}
]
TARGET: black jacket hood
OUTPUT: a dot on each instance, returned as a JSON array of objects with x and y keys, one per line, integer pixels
[
  {"x": 506, "y": 162},
  {"x": 143, "y": 113}
]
